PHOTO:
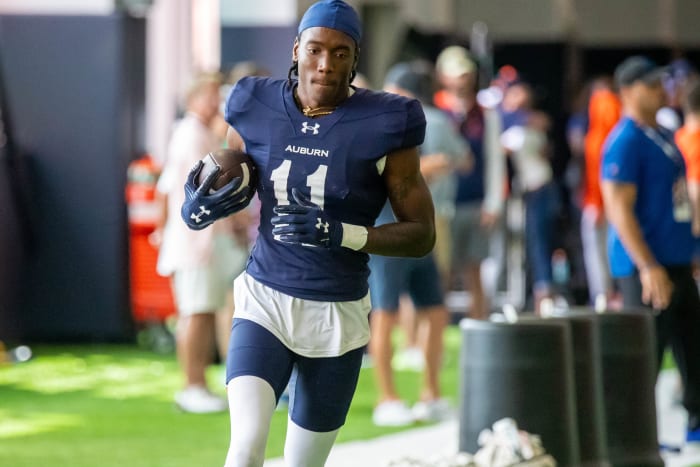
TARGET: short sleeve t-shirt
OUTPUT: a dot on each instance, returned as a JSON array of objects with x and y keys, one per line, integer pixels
[{"x": 649, "y": 159}]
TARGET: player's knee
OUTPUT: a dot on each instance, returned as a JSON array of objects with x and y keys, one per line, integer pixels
[
  {"x": 247, "y": 448},
  {"x": 242, "y": 455}
]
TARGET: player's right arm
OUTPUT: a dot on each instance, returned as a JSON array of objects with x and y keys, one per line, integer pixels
[
  {"x": 413, "y": 233},
  {"x": 202, "y": 207}
]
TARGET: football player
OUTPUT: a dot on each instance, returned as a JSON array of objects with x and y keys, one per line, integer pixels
[{"x": 329, "y": 156}]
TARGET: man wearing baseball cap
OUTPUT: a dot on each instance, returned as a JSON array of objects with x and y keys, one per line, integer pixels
[
  {"x": 638, "y": 68},
  {"x": 480, "y": 193},
  {"x": 650, "y": 240}
]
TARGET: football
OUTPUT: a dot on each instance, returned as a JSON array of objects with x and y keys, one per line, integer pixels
[{"x": 233, "y": 164}]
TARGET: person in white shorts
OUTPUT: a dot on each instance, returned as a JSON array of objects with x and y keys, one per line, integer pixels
[{"x": 202, "y": 264}]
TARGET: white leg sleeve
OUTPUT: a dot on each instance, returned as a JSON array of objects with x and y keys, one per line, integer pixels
[
  {"x": 251, "y": 403},
  {"x": 304, "y": 448}
]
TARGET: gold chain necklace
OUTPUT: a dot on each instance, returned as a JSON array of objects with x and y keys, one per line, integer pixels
[{"x": 315, "y": 111}]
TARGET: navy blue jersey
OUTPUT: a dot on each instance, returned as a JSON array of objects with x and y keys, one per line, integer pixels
[{"x": 333, "y": 159}]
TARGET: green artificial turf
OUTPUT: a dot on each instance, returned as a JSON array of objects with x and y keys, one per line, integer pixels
[{"x": 111, "y": 406}]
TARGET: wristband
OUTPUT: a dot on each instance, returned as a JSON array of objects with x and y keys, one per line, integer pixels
[{"x": 354, "y": 236}]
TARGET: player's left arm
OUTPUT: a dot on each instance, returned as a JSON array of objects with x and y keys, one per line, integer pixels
[{"x": 413, "y": 233}]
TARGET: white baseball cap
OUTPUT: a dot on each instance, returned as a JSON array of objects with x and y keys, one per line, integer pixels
[{"x": 455, "y": 61}]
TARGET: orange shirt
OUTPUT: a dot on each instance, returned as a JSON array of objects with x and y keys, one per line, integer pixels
[
  {"x": 604, "y": 110},
  {"x": 688, "y": 141}
]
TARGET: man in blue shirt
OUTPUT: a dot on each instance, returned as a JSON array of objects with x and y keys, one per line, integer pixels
[
  {"x": 650, "y": 243},
  {"x": 329, "y": 155}
]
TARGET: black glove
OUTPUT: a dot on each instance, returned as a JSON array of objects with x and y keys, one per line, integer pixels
[
  {"x": 305, "y": 223},
  {"x": 201, "y": 208}
]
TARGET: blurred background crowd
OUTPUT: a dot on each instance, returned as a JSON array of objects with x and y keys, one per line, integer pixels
[{"x": 90, "y": 92}]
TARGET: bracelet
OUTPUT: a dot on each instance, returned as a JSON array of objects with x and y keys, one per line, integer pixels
[{"x": 354, "y": 236}]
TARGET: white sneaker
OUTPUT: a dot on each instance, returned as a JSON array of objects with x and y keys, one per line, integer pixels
[
  {"x": 392, "y": 413},
  {"x": 432, "y": 411},
  {"x": 196, "y": 399}
]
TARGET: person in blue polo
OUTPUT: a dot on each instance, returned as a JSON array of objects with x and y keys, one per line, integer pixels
[{"x": 650, "y": 243}]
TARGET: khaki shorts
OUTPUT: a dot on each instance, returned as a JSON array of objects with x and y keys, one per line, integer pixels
[
  {"x": 470, "y": 240},
  {"x": 204, "y": 289}
]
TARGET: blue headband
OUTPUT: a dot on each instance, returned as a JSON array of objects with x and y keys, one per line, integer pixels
[{"x": 333, "y": 14}]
